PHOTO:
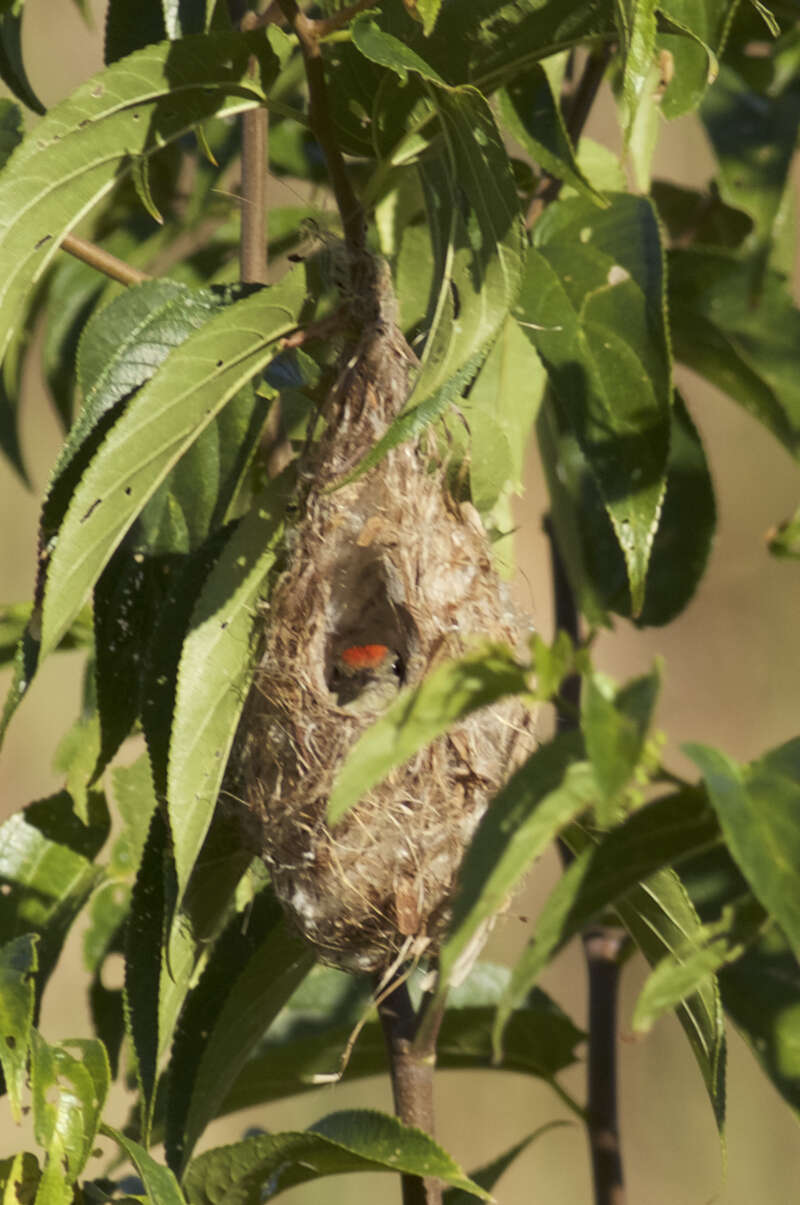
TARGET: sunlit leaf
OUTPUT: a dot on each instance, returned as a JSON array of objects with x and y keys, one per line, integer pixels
[
  {"x": 259, "y": 1168},
  {"x": 211, "y": 687},
  {"x": 159, "y": 1182},
  {"x": 74, "y": 156},
  {"x": 17, "y": 966},
  {"x": 592, "y": 304},
  {"x": 166, "y": 417}
]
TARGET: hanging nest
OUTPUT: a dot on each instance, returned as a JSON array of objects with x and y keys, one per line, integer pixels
[{"x": 388, "y": 560}]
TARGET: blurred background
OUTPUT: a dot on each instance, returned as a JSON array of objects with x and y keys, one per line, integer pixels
[{"x": 732, "y": 667}]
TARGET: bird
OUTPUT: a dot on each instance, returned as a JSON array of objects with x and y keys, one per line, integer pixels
[{"x": 366, "y": 677}]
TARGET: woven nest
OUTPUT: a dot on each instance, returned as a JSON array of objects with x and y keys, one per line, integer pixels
[{"x": 389, "y": 559}]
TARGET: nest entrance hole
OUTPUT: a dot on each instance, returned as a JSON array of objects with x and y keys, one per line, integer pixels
[{"x": 364, "y": 613}]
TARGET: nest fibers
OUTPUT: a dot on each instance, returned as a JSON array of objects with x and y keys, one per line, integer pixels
[{"x": 389, "y": 560}]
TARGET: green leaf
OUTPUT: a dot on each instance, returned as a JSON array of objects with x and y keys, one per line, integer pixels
[
  {"x": 14, "y": 620},
  {"x": 10, "y": 128},
  {"x": 686, "y": 527},
  {"x": 661, "y": 919},
  {"x": 488, "y": 1175},
  {"x": 76, "y": 756},
  {"x": 421, "y": 713},
  {"x": 18, "y": 964},
  {"x": 12, "y": 67},
  {"x": 783, "y": 541},
  {"x": 760, "y": 993},
  {"x": 682, "y": 974},
  {"x": 500, "y": 410},
  {"x": 68, "y": 1092},
  {"x": 19, "y": 1178},
  {"x": 744, "y": 344},
  {"x": 539, "y": 800},
  {"x": 46, "y": 871},
  {"x": 159, "y": 1182},
  {"x": 694, "y": 216},
  {"x": 121, "y": 348},
  {"x": 215, "y": 662},
  {"x": 532, "y": 114},
  {"x": 163, "y": 421},
  {"x": 586, "y": 539},
  {"x": 487, "y": 44},
  {"x": 603, "y": 873},
  {"x": 144, "y": 936},
  {"x": 247, "y": 982},
  {"x": 305, "y": 1046},
  {"x": 615, "y": 726},
  {"x": 160, "y": 677},
  {"x": 259, "y": 1168},
  {"x": 477, "y": 234},
  {"x": 428, "y": 11},
  {"x": 592, "y": 304},
  {"x": 753, "y": 130},
  {"x": 384, "y": 48},
  {"x": 76, "y": 153},
  {"x": 695, "y": 42},
  {"x": 636, "y": 24},
  {"x": 757, "y": 807}
]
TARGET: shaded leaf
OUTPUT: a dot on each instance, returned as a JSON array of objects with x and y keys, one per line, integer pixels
[
  {"x": 743, "y": 344},
  {"x": 754, "y": 134},
  {"x": 305, "y": 1045},
  {"x": 757, "y": 807},
  {"x": 694, "y": 38},
  {"x": 760, "y": 993},
  {"x": 144, "y": 937},
  {"x": 601, "y": 874},
  {"x": 539, "y": 800},
  {"x": 661, "y": 919},
  {"x": 12, "y": 67},
  {"x": 248, "y": 980},
  {"x": 259, "y": 1168},
  {"x": 531, "y": 112},
  {"x": 682, "y": 974}
]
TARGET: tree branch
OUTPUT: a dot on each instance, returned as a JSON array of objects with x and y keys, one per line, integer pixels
[
  {"x": 603, "y": 946},
  {"x": 412, "y": 1080},
  {"x": 322, "y": 127},
  {"x": 102, "y": 260},
  {"x": 255, "y": 134}
]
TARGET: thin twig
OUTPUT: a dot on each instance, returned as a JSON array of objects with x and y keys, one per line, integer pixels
[
  {"x": 603, "y": 947},
  {"x": 412, "y": 1082},
  {"x": 255, "y": 135},
  {"x": 102, "y": 260},
  {"x": 349, "y": 206}
]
